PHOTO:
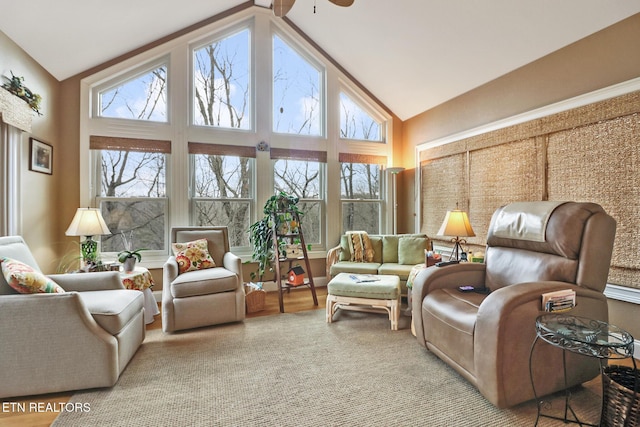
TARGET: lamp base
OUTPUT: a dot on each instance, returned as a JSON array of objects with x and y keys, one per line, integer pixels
[{"x": 89, "y": 249}]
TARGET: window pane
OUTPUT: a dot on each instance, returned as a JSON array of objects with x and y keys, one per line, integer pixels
[
  {"x": 360, "y": 181},
  {"x": 311, "y": 221},
  {"x": 297, "y": 89},
  {"x": 141, "y": 98},
  {"x": 233, "y": 214},
  {"x": 361, "y": 216},
  {"x": 222, "y": 192},
  {"x": 297, "y": 177},
  {"x": 146, "y": 218},
  {"x": 132, "y": 174},
  {"x": 355, "y": 123},
  {"x": 221, "y": 76}
]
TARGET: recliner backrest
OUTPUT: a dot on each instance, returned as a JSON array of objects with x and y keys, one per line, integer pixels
[
  {"x": 576, "y": 248},
  {"x": 15, "y": 247}
]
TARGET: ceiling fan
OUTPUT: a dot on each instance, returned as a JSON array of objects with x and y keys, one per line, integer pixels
[{"x": 282, "y": 7}]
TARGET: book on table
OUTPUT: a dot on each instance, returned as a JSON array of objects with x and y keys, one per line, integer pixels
[{"x": 558, "y": 301}]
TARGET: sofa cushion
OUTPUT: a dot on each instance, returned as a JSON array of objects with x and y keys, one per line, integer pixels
[
  {"x": 411, "y": 249},
  {"x": 400, "y": 270},
  {"x": 354, "y": 267},
  {"x": 193, "y": 255},
  {"x": 204, "y": 282},
  {"x": 26, "y": 279},
  {"x": 345, "y": 254},
  {"x": 113, "y": 309},
  {"x": 390, "y": 248}
]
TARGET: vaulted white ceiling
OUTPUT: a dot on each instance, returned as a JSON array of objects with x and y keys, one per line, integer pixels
[{"x": 411, "y": 54}]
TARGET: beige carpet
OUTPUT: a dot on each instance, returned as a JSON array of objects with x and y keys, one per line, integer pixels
[{"x": 296, "y": 370}]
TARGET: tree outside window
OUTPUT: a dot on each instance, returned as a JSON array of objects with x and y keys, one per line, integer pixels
[
  {"x": 302, "y": 178},
  {"x": 221, "y": 75},
  {"x": 222, "y": 194},
  {"x": 297, "y": 92},
  {"x": 356, "y": 123},
  {"x": 361, "y": 197}
]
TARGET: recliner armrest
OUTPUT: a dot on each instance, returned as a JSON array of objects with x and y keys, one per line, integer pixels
[
  {"x": 505, "y": 322},
  {"x": 98, "y": 281},
  {"x": 432, "y": 278},
  {"x": 59, "y": 331},
  {"x": 333, "y": 255},
  {"x": 233, "y": 263}
]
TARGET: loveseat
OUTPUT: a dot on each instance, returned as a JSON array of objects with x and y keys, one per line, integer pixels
[
  {"x": 80, "y": 338},
  {"x": 394, "y": 254},
  {"x": 532, "y": 248}
]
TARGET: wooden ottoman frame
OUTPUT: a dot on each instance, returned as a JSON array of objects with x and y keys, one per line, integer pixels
[{"x": 367, "y": 303}]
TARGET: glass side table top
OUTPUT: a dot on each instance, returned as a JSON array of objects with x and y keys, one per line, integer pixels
[{"x": 580, "y": 335}]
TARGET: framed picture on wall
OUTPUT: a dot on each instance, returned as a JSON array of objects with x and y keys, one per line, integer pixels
[{"x": 40, "y": 157}]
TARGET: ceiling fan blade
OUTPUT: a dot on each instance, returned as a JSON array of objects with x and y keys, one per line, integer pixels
[
  {"x": 282, "y": 7},
  {"x": 343, "y": 3}
]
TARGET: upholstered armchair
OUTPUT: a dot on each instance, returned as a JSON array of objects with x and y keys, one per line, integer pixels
[
  {"x": 532, "y": 248},
  {"x": 53, "y": 342},
  {"x": 197, "y": 290}
]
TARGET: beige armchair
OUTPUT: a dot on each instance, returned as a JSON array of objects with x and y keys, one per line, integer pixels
[
  {"x": 532, "y": 248},
  {"x": 203, "y": 297},
  {"x": 53, "y": 342}
]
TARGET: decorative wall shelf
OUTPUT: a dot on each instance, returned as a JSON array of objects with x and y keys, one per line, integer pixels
[{"x": 14, "y": 111}]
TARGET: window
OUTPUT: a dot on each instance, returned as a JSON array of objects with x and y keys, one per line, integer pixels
[
  {"x": 203, "y": 129},
  {"x": 297, "y": 92},
  {"x": 132, "y": 191},
  {"x": 355, "y": 123},
  {"x": 301, "y": 173},
  {"x": 143, "y": 97},
  {"x": 221, "y": 76},
  {"x": 222, "y": 188},
  {"x": 360, "y": 192}
]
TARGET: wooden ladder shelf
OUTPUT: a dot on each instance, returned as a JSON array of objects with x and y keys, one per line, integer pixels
[{"x": 287, "y": 229}]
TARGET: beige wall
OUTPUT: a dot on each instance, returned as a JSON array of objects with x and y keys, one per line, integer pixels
[{"x": 39, "y": 191}]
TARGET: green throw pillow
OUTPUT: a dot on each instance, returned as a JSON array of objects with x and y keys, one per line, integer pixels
[
  {"x": 390, "y": 248},
  {"x": 411, "y": 249}
]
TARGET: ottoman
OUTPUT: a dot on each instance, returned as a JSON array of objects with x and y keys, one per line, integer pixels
[{"x": 371, "y": 293}]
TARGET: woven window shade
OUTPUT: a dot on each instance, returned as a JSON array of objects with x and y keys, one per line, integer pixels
[
  {"x": 222, "y": 150},
  {"x": 289, "y": 154},
  {"x": 129, "y": 144},
  {"x": 443, "y": 184},
  {"x": 600, "y": 162},
  {"x": 513, "y": 180},
  {"x": 586, "y": 154},
  {"x": 362, "y": 158}
]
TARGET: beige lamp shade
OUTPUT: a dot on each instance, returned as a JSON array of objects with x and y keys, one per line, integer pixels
[
  {"x": 456, "y": 223},
  {"x": 87, "y": 222}
]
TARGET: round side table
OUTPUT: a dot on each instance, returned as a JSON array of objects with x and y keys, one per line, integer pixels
[{"x": 584, "y": 336}]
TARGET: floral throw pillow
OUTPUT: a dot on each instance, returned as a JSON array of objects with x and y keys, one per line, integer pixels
[
  {"x": 25, "y": 279},
  {"x": 192, "y": 255}
]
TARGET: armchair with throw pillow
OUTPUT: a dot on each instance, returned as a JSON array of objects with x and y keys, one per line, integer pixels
[
  {"x": 532, "y": 248},
  {"x": 202, "y": 281},
  {"x": 62, "y": 332}
]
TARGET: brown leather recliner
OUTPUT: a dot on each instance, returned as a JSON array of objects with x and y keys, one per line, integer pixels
[{"x": 532, "y": 248}]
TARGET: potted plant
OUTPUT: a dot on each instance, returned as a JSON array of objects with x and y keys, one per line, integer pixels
[
  {"x": 129, "y": 256},
  {"x": 278, "y": 208}
]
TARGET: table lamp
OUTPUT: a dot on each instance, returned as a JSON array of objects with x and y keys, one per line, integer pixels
[
  {"x": 88, "y": 222},
  {"x": 456, "y": 223}
]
